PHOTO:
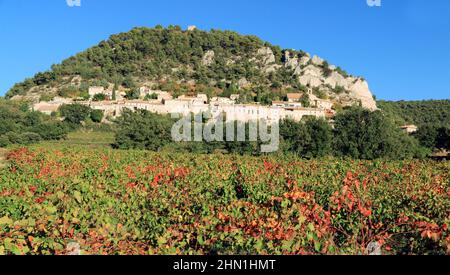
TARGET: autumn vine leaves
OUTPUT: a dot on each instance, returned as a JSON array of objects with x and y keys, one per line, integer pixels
[{"x": 137, "y": 202}]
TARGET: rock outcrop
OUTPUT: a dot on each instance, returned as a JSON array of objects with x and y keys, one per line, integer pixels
[
  {"x": 317, "y": 60},
  {"x": 304, "y": 60},
  {"x": 360, "y": 90},
  {"x": 289, "y": 61},
  {"x": 208, "y": 58},
  {"x": 310, "y": 73},
  {"x": 311, "y": 76},
  {"x": 336, "y": 79},
  {"x": 266, "y": 56},
  {"x": 243, "y": 83},
  {"x": 266, "y": 59}
]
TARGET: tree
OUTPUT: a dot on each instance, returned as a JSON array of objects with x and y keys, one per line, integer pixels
[
  {"x": 132, "y": 94},
  {"x": 321, "y": 139},
  {"x": 362, "y": 134},
  {"x": 304, "y": 100},
  {"x": 443, "y": 138},
  {"x": 114, "y": 94},
  {"x": 129, "y": 83},
  {"x": 327, "y": 71},
  {"x": 52, "y": 130},
  {"x": 264, "y": 95},
  {"x": 28, "y": 138},
  {"x": 294, "y": 136},
  {"x": 44, "y": 78},
  {"x": 427, "y": 136},
  {"x": 357, "y": 134},
  {"x": 242, "y": 147},
  {"x": 230, "y": 89},
  {"x": 75, "y": 113},
  {"x": 19, "y": 125},
  {"x": 310, "y": 138},
  {"x": 151, "y": 96},
  {"x": 32, "y": 118},
  {"x": 99, "y": 97},
  {"x": 96, "y": 116},
  {"x": 143, "y": 130},
  {"x": 4, "y": 141}
]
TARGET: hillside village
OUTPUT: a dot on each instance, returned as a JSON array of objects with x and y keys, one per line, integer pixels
[{"x": 162, "y": 102}]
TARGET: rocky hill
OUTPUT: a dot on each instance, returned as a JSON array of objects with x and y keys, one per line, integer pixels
[{"x": 190, "y": 61}]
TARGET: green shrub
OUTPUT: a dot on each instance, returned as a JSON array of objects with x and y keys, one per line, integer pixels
[
  {"x": 362, "y": 134},
  {"x": 4, "y": 141},
  {"x": 311, "y": 138},
  {"x": 143, "y": 130},
  {"x": 151, "y": 96},
  {"x": 96, "y": 116},
  {"x": 51, "y": 130},
  {"x": 99, "y": 97},
  {"x": 75, "y": 113},
  {"x": 29, "y": 138}
]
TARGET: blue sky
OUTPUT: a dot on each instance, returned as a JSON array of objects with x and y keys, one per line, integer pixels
[{"x": 402, "y": 48}]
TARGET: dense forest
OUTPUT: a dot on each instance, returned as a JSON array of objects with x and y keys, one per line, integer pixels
[
  {"x": 421, "y": 113},
  {"x": 431, "y": 116}
]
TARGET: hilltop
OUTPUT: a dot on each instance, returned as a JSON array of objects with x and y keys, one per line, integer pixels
[{"x": 193, "y": 61}]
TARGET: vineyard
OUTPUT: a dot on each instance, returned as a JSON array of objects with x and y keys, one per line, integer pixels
[{"x": 138, "y": 202}]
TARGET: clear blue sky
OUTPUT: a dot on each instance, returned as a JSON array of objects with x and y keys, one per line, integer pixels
[{"x": 402, "y": 48}]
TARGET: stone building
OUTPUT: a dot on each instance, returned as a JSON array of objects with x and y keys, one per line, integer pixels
[
  {"x": 95, "y": 91},
  {"x": 160, "y": 95},
  {"x": 185, "y": 105},
  {"x": 319, "y": 103},
  {"x": 46, "y": 107},
  {"x": 294, "y": 97},
  {"x": 51, "y": 106},
  {"x": 222, "y": 100}
]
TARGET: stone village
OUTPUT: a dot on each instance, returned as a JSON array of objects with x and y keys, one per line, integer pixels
[{"x": 163, "y": 103}]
